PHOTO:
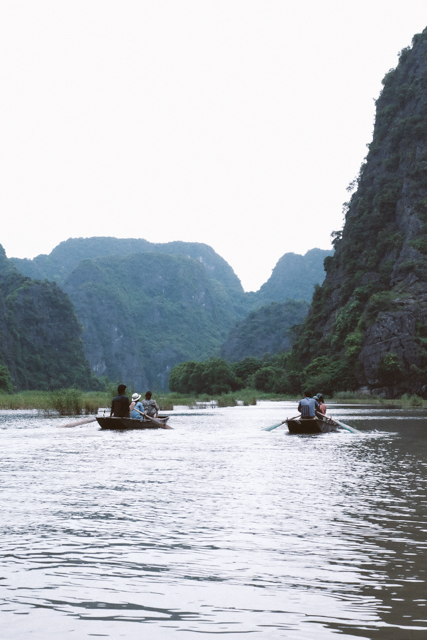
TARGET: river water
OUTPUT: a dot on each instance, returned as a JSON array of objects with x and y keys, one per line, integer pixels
[{"x": 215, "y": 528}]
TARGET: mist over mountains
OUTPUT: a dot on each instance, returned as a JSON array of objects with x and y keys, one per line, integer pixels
[{"x": 145, "y": 307}]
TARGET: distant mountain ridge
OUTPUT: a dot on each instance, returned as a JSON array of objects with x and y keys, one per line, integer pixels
[
  {"x": 148, "y": 306},
  {"x": 295, "y": 277},
  {"x": 146, "y": 312},
  {"x": 266, "y": 330},
  {"x": 65, "y": 257}
]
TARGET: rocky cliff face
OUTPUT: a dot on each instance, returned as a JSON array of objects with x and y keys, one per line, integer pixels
[
  {"x": 266, "y": 330},
  {"x": 146, "y": 312},
  {"x": 146, "y": 307},
  {"x": 371, "y": 311},
  {"x": 294, "y": 277},
  {"x": 41, "y": 343}
]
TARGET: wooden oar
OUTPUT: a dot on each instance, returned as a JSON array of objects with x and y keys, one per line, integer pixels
[
  {"x": 76, "y": 423},
  {"x": 342, "y": 425},
  {"x": 159, "y": 423},
  {"x": 274, "y": 426},
  {"x": 346, "y": 426}
]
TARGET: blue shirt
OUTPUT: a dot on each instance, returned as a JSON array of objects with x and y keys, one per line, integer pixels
[
  {"x": 307, "y": 407},
  {"x": 135, "y": 414}
]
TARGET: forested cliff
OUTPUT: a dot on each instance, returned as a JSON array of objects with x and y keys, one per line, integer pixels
[
  {"x": 294, "y": 277},
  {"x": 265, "y": 330},
  {"x": 146, "y": 307},
  {"x": 368, "y": 321},
  {"x": 144, "y": 313},
  {"x": 40, "y": 337}
]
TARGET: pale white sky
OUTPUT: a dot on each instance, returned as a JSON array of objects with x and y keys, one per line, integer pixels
[{"x": 238, "y": 123}]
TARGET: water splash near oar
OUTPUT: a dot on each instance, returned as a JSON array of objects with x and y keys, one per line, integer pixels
[{"x": 347, "y": 427}]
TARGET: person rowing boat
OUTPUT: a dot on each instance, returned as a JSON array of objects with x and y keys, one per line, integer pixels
[
  {"x": 308, "y": 406},
  {"x": 120, "y": 403},
  {"x": 319, "y": 398}
]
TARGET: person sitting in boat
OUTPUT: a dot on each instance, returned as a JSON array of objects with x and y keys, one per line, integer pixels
[
  {"x": 120, "y": 404},
  {"x": 136, "y": 409},
  {"x": 151, "y": 408},
  {"x": 319, "y": 398},
  {"x": 308, "y": 406}
]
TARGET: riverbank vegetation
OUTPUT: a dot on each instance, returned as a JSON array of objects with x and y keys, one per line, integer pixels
[
  {"x": 75, "y": 402},
  {"x": 280, "y": 374},
  {"x": 65, "y": 401}
]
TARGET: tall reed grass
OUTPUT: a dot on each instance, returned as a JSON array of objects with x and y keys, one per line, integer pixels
[
  {"x": 65, "y": 401},
  {"x": 75, "y": 402}
]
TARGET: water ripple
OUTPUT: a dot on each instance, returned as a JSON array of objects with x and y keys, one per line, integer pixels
[{"x": 215, "y": 528}]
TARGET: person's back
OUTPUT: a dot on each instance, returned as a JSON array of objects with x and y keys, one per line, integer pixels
[
  {"x": 307, "y": 406},
  {"x": 151, "y": 408},
  {"x": 120, "y": 403}
]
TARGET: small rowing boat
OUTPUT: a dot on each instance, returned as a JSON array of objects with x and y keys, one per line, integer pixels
[
  {"x": 311, "y": 425},
  {"x": 132, "y": 423}
]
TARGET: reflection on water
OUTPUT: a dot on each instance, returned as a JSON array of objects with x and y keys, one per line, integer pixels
[{"x": 216, "y": 528}]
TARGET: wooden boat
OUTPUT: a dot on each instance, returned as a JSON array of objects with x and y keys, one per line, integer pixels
[
  {"x": 311, "y": 425},
  {"x": 132, "y": 423}
]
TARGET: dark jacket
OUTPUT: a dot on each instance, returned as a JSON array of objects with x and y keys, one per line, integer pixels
[{"x": 120, "y": 407}]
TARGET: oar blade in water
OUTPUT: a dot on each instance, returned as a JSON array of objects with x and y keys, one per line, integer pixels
[
  {"x": 347, "y": 427},
  {"x": 274, "y": 426}
]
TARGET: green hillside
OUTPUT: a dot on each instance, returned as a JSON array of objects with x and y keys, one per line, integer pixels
[
  {"x": 64, "y": 258},
  {"x": 144, "y": 313},
  {"x": 294, "y": 277},
  {"x": 41, "y": 345},
  {"x": 266, "y": 330},
  {"x": 169, "y": 302}
]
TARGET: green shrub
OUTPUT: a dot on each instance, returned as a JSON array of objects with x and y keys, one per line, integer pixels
[
  {"x": 389, "y": 368},
  {"x": 247, "y": 367},
  {"x": 67, "y": 401},
  {"x": 265, "y": 379},
  {"x": 5, "y": 379},
  {"x": 411, "y": 401},
  {"x": 213, "y": 376},
  {"x": 379, "y": 303},
  {"x": 325, "y": 375},
  {"x": 226, "y": 401},
  {"x": 165, "y": 404},
  {"x": 90, "y": 406}
]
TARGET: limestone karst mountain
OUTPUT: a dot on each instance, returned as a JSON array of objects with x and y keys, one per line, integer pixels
[
  {"x": 65, "y": 257},
  {"x": 145, "y": 307},
  {"x": 265, "y": 330},
  {"x": 144, "y": 313},
  {"x": 368, "y": 321},
  {"x": 294, "y": 277},
  {"x": 41, "y": 339}
]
